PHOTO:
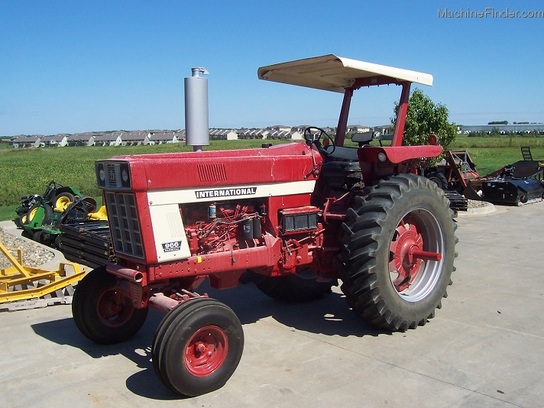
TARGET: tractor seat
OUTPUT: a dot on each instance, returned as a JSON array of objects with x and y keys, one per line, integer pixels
[
  {"x": 344, "y": 153},
  {"x": 350, "y": 153}
]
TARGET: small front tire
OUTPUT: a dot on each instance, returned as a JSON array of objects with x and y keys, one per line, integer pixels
[{"x": 197, "y": 347}]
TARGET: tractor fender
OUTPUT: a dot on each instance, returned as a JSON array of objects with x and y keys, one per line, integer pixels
[{"x": 397, "y": 154}]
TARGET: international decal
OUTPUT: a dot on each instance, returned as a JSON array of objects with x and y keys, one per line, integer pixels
[{"x": 226, "y": 192}]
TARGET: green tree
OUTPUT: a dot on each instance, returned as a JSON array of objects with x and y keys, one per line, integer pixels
[{"x": 425, "y": 118}]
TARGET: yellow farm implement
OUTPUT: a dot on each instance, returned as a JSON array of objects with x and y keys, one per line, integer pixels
[{"x": 23, "y": 287}]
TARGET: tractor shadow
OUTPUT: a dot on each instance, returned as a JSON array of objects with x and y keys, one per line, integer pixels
[
  {"x": 328, "y": 316},
  {"x": 144, "y": 382}
]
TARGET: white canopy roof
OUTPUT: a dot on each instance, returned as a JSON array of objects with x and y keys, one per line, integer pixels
[{"x": 333, "y": 73}]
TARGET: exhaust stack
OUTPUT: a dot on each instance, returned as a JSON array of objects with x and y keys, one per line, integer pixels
[{"x": 196, "y": 109}]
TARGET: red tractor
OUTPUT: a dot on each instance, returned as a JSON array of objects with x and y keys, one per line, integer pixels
[{"x": 298, "y": 218}]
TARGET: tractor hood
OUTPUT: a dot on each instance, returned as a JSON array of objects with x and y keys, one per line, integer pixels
[{"x": 333, "y": 73}]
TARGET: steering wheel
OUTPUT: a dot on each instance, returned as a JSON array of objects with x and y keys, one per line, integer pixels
[{"x": 313, "y": 135}]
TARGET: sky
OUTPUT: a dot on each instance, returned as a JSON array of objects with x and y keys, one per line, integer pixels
[{"x": 77, "y": 66}]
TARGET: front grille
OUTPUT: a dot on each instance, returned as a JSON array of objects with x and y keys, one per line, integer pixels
[
  {"x": 124, "y": 226},
  {"x": 112, "y": 175}
]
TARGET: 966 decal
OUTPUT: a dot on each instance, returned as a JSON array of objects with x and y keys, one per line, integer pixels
[{"x": 171, "y": 246}]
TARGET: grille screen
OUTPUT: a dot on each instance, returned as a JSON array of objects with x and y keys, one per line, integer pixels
[
  {"x": 124, "y": 227},
  {"x": 212, "y": 172}
]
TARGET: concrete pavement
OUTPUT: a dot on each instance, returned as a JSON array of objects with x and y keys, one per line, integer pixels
[{"x": 484, "y": 348}]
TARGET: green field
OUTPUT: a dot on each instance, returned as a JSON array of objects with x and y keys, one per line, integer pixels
[{"x": 28, "y": 171}]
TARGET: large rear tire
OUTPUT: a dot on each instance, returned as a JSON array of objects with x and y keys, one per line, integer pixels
[
  {"x": 398, "y": 251},
  {"x": 197, "y": 347},
  {"x": 102, "y": 312}
]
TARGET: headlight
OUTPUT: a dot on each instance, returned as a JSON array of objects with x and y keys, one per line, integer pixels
[
  {"x": 125, "y": 174},
  {"x": 100, "y": 174}
]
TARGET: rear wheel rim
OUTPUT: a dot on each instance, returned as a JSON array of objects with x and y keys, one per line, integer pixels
[
  {"x": 206, "y": 351},
  {"x": 413, "y": 278}
]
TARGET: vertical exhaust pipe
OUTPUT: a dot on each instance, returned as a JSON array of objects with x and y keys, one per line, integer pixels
[{"x": 196, "y": 109}]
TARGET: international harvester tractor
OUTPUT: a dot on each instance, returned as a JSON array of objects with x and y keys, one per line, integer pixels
[{"x": 297, "y": 218}]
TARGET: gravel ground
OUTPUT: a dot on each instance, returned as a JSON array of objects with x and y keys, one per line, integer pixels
[
  {"x": 477, "y": 204},
  {"x": 33, "y": 253}
]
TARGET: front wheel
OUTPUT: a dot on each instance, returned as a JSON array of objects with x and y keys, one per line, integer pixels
[
  {"x": 398, "y": 252},
  {"x": 197, "y": 347},
  {"x": 104, "y": 313}
]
